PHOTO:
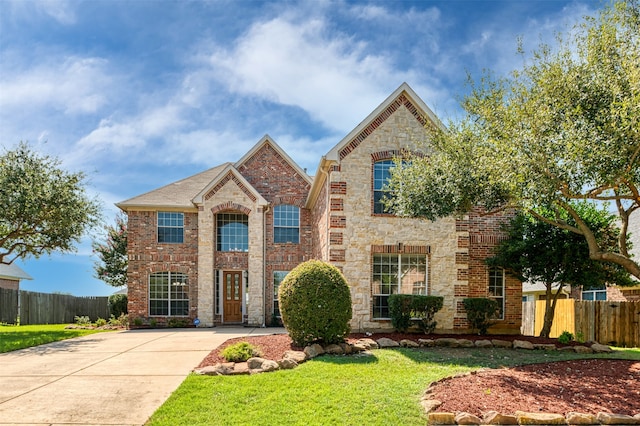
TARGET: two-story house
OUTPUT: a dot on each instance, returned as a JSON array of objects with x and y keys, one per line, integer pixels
[{"x": 216, "y": 245}]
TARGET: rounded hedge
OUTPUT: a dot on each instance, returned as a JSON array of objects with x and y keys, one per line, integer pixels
[{"x": 315, "y": 303}]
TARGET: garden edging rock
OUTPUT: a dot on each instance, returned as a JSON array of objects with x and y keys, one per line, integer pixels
[{"x": 292, "y": 359}]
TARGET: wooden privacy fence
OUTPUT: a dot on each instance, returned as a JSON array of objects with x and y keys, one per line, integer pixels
[
  {"x": 46, "y": 308},
  {"x": 612, "y": 323}
]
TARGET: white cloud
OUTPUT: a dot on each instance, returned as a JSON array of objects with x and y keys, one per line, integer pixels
[
  {"x": 330, "y": 76},
  {"x": 74, "y": 86},
  {"x": 60, "y": 10}
]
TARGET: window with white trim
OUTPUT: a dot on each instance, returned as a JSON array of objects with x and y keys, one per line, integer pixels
[
  {"x": 168, "y": 294},
  {"x": 595, "y": 294},
  {"x": 496, "y": 288},
  {"x": 278, "y": 276},
  {"x": 286, "y": 224},
  {"x": 170, "y": 227},
  {"x": 396, "y": 274}
]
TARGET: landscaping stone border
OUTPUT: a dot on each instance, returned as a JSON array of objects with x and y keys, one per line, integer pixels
[{"x": 361, "y": 347}]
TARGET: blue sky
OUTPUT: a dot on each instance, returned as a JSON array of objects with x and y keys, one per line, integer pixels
[{"x": 138, "y": 94}]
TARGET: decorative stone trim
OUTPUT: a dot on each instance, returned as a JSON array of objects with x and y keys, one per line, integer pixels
[
  {"x": 230, "y": 176},
  {"x": 381, "y": 118},
  {"x": 230, "y": 205}
]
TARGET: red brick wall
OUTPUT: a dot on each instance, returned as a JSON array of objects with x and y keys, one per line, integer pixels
[
  {"x": 319, "y": 224},
  {"x": 280, "y": 183},
  {"x": 484, "y": 234},
  {"x": 146, "y": 256},
  {"x": 10, "y": 284}
]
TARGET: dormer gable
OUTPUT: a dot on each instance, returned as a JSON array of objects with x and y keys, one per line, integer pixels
[
  {"x": 227, "y": 175},
  {"x": 402, "y": 96}
]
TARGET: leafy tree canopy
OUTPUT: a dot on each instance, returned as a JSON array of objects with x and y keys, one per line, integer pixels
[
  {"x": 43, "y": 208},
  {"x": 111, "y": 267},
  {"x": 566, "y": 127}
]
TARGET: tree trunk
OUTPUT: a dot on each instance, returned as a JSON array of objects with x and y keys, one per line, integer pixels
[{"x": 549, "y": 309}]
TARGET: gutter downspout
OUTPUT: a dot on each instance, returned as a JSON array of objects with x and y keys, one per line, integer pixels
[{"x": 264, "y": 265}]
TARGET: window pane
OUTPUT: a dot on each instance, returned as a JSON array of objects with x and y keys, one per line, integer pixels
[
  {"x": 601, "y": 295},
  {"x": 233, "y": 232},
  {"x": 286, "y": 224},
  {"x": 380, "y": 307},
  {"x": 278, "y": 276},
  {"x": 496, "y": 288},
  {"x": 168, "y": 294},
  {"x": 381, "y": 176},
  {"x": 170, "y": 227}
]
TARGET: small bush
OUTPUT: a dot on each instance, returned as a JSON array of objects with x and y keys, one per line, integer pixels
[
  {"x": 480, "y": 312},
  {"x": 82, "y": 320},
  {"x": 315, "y": 303},
  {"x": 100, "y": 322},
  {"x": 177, "y": 323},
  {"x": 118, "y": 304},
  {"x": 121, "y": 321},
  {"x": 240, "y": 352},
  {"x": 419, "y": 309},
  {"x": 565, "y": 337}
]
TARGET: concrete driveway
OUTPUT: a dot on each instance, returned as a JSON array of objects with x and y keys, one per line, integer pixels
[{"x": 115, "y": 378}]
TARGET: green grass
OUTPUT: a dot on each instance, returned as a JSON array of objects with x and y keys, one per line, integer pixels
[
  {"x": 380, "y": 390},
  {"x": 25, "y": 336}
]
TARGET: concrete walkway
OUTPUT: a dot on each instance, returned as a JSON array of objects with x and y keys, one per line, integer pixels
[{"x": 115, "y": 378}]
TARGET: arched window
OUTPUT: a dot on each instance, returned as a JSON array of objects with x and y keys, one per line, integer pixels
[
  {"x": 286, "y": 224},
  {"x": 233, "y": 232},
  {"x": 168, "y": 294}
]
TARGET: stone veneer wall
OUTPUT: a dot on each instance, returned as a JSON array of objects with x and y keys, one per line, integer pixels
[
  {"x": 231, "y": 197},
  {"x": 354, "y": 229},
  {"x": 146, "y": 256}
]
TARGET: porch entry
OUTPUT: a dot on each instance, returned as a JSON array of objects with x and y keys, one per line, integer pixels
[{"x": 232, "y": 296}]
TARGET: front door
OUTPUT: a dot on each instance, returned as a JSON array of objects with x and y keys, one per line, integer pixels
[{"x": 232, "y": 296}]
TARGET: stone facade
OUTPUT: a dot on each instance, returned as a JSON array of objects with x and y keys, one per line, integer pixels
[{"x": 337, "y": 224}]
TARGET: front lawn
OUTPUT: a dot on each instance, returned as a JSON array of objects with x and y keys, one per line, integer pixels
[
  {"x": 14, "y": 337},
  {"x": 349, "y": 390}
]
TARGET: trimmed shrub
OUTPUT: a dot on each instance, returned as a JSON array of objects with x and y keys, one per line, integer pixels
[
  {"x": 240, "y": 352},
  {"x": 424, "y": 309},
  {"x": 315, "y": 303},
  {"x": 406, "y": 309},
  {"x": 480, "y": 312},
  {"x": 400, "y": 311},
  {"x": 118, "y": 304}
]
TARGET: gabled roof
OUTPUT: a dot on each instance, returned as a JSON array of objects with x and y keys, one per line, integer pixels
[
  {"x": 226, "y": 174},
  {"x": 403, "y": 95},
  {"x": 174, "y": 195},
  {"x": 267, "y": 140},
  {"x": 13, "y": 272}
]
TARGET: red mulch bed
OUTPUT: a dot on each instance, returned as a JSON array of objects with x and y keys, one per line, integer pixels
[{"x": 587, "y": 386}]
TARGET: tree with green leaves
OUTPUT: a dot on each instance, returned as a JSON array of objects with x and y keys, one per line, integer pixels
[
  {"x": 111, "y": 267},
  {"x": 537, "y": 251},
  {"x": 43, "y": 208},
  {"x": 564, "y": 128}
]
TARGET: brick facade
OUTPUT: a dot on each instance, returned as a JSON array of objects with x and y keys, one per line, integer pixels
[
  {"x": 337, "y": 224},
  {"x": 147, "y": 256}
]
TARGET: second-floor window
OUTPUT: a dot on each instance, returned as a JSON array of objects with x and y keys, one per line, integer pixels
[
  {"x": 233, "y": 232},
  {"x": 381, "y": 175},
  {"x": 286, "y": 224},
  {"x": 170, "y": 227}
]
